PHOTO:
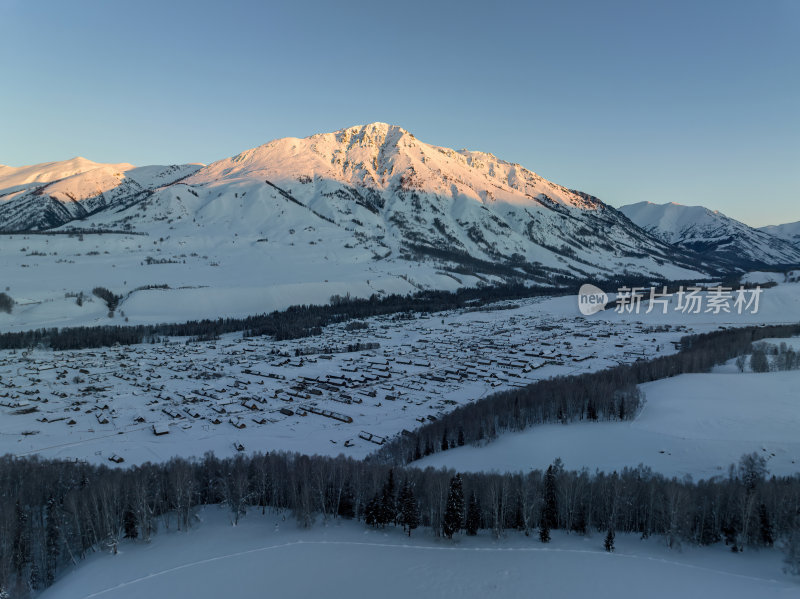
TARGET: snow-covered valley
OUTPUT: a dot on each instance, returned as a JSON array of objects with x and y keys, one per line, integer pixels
[
  {"x": 313, "y": 396},
  {"x": 693, "y": 424},
  {"x": 269, "y": 556}
]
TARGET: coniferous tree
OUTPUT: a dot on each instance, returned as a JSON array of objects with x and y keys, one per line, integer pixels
[
  {"x": 387, "y": 509},
  {"x": 608, "y": 543},
  {"x": 409, "y": 508},
  {"x": 372, "y": 512},
  {"x": 21, "y": 549},
  {"x": 759, "y": 361},
  {"x": 428, "y": 448},
  {"x": 52, "y": 534},
  {"x": 550, "y": 509},
  {"x": 129, "y": 524},
  {"x": 473, "y": 516},
  {"x": 544, "y": 534},
  {"x": 765, "y": 528},
  {"x": 6, "y": 303},
  {"x": 731, "y": 535},
  {"x": 347, "y": 503},
  {"x": 579, "y": 524},
  {"x": 454, "y": 511}
]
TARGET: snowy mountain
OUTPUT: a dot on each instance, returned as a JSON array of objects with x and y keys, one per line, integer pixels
[
  {"x": 374, "y": 186},
  {"x": 47, "y": 195},
  {"x": 712, "y": 234},
  {"x": 789, "y": 231}
]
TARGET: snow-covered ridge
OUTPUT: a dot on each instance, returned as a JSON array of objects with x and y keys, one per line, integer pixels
[
  {"x": 24, "y": 176},
  {"x": 47, "y": 195},
  {"x": 711, "y": 233},
  {"x": 789, "y": 231},
  {"x": 386, "y": 157},
  {"x": 375, "y": 187}
]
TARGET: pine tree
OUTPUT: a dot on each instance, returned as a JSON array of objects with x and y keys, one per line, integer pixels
[
  {"x": 52, "y": 536},
  {"x": 372, "y": 511},
  {"x": 759, "y": 361},
  {"x": 454, "y": 512},
  {"x": 544, "y": 534},
  {"x": 387, "y": 512},
  {"x": 445, "y": 442},
  {"x": 347, "y": 502},
  {"x": 129, "y": 524},
  {"x": 473, "y": 516},
  {"x": 609, "y": 542},
  {"x": 550, "y": 509},
  {"x": 21, "y": 548},
  {"x": 409, "y": 509},
  {"x": 417, "y": 452},
  {"x": 766, "y": 535},
  {"x": 731, "y": 536},
  {"x": 579, "y": 522},
  {"x": 460, "y": 437},
  {"x": 428, "y": 447}
]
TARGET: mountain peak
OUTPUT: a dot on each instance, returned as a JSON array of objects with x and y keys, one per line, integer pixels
[
  {"x": 387, "y": 157},
  {"x": 16, "y": 177},
  {"x": 372, "y": 188},
  {"x": 710, "y": 232}
]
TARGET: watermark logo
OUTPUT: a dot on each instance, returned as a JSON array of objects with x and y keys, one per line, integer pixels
[
  {"x": 688, "y": 300},
  {"x": 591, "y": 299}
]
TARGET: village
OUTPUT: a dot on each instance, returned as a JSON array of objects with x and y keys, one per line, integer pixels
[{"x": 345, "y": 391}]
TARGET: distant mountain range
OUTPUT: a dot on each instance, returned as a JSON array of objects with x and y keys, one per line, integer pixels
[
  {"x": 379, "y": 188},
  {"x": 789, "y": 231},
  {"x": 45, "y": 196},
  {"x": 714, "y": 235}
]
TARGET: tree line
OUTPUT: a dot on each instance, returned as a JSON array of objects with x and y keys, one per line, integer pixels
[
  {"x": 293, "y": 323},
  {"x": 610, "y": 394},
  {"x": 782, "y": 358},
  {"x": 54, "y": 513}
]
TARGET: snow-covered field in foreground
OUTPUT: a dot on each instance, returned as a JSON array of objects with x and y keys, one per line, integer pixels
[
  {"x": 270, "y": 557},
  {"x": 694, "y": 424}
]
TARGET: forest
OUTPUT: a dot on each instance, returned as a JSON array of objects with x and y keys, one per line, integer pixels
[
  {"x": 292, "y": 323},
  {"x": 53, "y": 513},
  {"x": 56, "y": 513},
  {"x": 609, "y": 394}
]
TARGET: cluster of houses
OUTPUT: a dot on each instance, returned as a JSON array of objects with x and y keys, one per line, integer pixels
[{"x": 419, "y": 368}]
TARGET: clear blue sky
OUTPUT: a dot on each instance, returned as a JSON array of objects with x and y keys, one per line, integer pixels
[{"x": 696, "y": 102}]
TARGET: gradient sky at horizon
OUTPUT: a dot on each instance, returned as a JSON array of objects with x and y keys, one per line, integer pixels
[{"x": 684, "y": 101}]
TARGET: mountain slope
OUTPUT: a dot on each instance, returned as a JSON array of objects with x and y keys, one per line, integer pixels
[
  {"x": 47, "y": 195},
  {"x": 375, "y": 188},
  {"x": 16, "y": 178},
  {"x": 788, "y": 231},
  {"x": 382, "y": 189},
  {"x": 711, "y": 233}
]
